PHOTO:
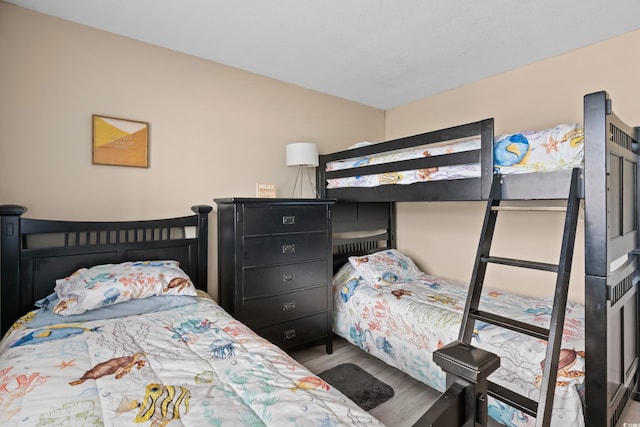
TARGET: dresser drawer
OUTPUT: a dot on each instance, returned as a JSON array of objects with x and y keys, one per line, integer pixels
[
  {"x": 284, "y": 219},
  {"x": 262, "y": 312},
  {"x": 265, "y": 281},
  {"x": 284, "y": 248},
  {"x": 298, "y": 332}
]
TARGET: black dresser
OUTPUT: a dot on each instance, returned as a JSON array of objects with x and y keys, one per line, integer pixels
[{"x": 275, "y": 268}]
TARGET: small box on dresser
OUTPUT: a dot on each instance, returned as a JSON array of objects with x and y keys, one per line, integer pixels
[{"x": 275, "y": 267}]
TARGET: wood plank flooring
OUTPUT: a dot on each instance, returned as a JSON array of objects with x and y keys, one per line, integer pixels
[{"x": 411, "y": 397}]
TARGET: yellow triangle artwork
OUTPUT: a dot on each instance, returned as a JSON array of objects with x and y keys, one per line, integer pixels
[{"x": 120, "y": 142}]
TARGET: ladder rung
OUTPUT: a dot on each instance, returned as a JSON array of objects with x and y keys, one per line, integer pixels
[
  {"x": 521, "y": 263},
  {"x": 512, "y": 398},
  {"x": 529, "y": 208},
  {"x": 514, "y": 325}
]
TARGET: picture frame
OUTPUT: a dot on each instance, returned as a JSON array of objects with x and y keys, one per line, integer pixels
[{"x": 119, "y": 142}]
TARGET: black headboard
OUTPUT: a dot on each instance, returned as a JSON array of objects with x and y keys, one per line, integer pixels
[
  {"x": 34, "y": 253},
  {"x": 361, "y": 228}
]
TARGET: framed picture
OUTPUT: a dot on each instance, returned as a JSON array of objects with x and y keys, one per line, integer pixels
[{"x": 120, "y": 142}]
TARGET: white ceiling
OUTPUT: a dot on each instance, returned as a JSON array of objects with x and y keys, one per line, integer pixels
[{"x": 382, "y": 53}]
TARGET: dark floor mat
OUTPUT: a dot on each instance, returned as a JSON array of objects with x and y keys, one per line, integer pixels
[{"x": 358, "y": 385}]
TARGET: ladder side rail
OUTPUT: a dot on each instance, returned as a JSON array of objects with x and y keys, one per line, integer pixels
[
  {"x": 480, "y": 267},
  {"x": 556, "y": 326}
]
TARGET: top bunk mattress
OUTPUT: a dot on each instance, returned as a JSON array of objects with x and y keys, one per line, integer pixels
[{"x": 550, "y": 150}]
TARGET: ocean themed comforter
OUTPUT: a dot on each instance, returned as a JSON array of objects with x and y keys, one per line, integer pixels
[
  {"x": 188, "y": 366},
  {"x": 404, "y": 320},
  {"x": 549, "y": 150}
]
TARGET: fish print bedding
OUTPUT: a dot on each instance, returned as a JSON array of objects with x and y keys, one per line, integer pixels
[
  {"x": 555, "y": 149},
  {"x": 192, "y": 365},
  {"x": 386, "y": 306}
]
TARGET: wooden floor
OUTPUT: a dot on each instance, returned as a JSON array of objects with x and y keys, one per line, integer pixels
[{"x": 411, "y": 397}]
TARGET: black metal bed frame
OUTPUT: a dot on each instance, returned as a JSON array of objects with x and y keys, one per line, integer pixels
[
  {"x": 609, "y": 187},
  {"x": 34, "y": 252}
]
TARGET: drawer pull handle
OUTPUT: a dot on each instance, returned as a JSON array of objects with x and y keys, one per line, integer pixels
[
  {"x": 287, "y": 277},
  {"x": 287, "y": 306},
  {"x": 291, "y": 333},
  {"x": 288, "y": 249},
  {"x": 289, "y": 220}
]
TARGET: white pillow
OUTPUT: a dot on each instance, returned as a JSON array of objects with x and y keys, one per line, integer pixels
[
  {"x": 359, "y": 144},
  {"x": 385, "y": 268},
  {"x": 108, "y": 284}
]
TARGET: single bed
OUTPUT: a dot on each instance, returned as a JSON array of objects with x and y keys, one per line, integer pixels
[
  {"x": 139, "y": 341},
  {"x": 386, "y": 306},
  {"x": 364, "y": 222}
]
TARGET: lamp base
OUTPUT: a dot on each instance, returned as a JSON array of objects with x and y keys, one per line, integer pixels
[{"x": 300, "y": 175}]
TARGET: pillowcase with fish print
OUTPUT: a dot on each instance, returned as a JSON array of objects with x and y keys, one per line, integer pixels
[
  {"x": 385, "y": 268},
  {"x": 108, "y": 284}
]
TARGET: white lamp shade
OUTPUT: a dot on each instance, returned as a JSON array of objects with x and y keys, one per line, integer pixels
[{"x": 302, "y": 154}]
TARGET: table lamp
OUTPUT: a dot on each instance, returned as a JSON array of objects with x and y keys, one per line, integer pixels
[{"x": 304, "y": 155}]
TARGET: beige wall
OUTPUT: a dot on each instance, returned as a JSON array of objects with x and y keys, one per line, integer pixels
[
  {"x": 443, "y": 237},
  {"x": 214, "y": 131}
]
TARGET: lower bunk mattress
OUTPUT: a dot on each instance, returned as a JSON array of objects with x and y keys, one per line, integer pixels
[
  {"x": 194, "y": 365},
  {"x": 387, "y": 307}
]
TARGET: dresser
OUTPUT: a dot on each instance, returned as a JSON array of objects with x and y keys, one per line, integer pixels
[{"x": 275, "y": 267}]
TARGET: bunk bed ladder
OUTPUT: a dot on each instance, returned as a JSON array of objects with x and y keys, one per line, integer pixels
[{"x": 541, "y": 409}]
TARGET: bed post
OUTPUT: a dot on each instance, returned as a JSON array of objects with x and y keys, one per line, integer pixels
[
  {"x": 9, "y": 263},
  {"x": 486, "y": 158},
  {"x": 611, "y": 227},
  {"x": 393, "y": 240},
  {"x": 464, "y": 403},
  {"x": 321, "y": 179},
  {"x": 203, "y": 237},
  {"x": 597, "y": 400}
]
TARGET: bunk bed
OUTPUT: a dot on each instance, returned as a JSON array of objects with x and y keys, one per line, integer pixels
[
  {"x": 168, "y": 354},
  {"x": 364, "y": 223}
]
